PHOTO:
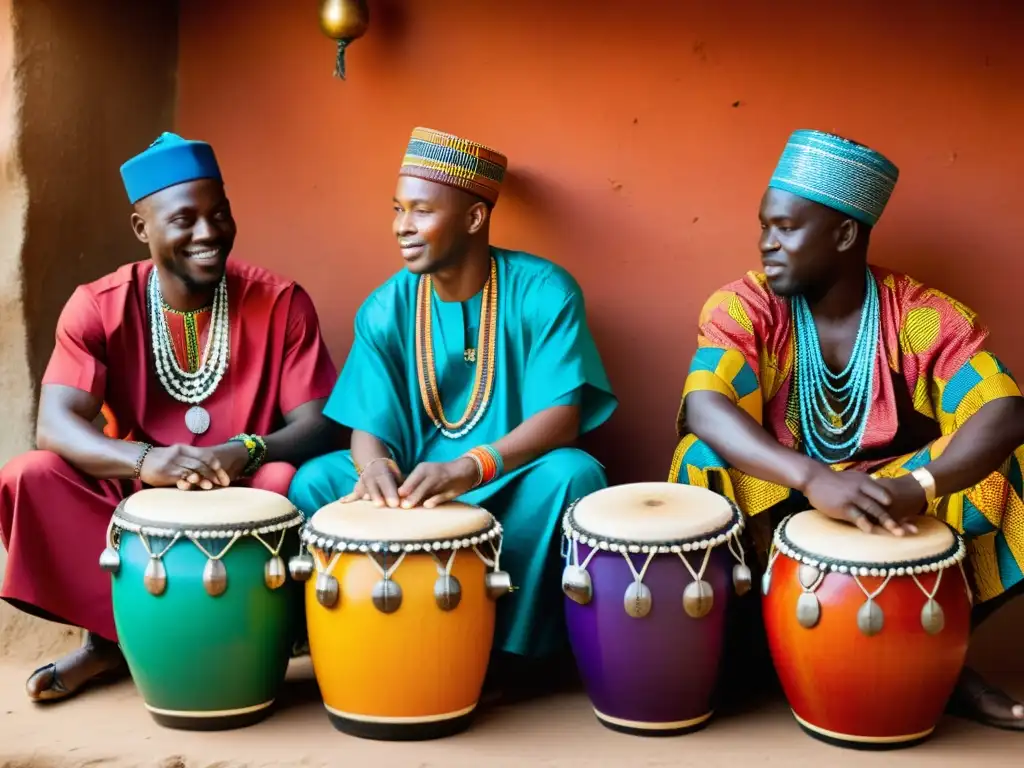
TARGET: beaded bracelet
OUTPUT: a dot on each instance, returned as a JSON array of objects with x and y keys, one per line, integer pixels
[
  {"x": 488, "y": 461},
  {"x": 387, "y": 460},
  {"x": 257, "y": 448},
  {"x": 146, "y": 448}
]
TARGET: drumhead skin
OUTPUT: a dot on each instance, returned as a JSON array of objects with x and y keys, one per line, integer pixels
[
  {"x": 362, "y": 521},
  {"x": 816, "y": 534},
  {"x": 652, "y": 512},
  {"x": 216, "y": 508},
  {"x": 868, "y": 632}
]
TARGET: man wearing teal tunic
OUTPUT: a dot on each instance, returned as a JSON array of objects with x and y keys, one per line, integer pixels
[{"x": 472, "y": 373}]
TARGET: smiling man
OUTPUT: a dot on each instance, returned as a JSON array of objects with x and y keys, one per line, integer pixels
[
  {"x": 856, "y": 389},
  {"x": 209, "y": 373},
  {"x": 472, "y": 373}
]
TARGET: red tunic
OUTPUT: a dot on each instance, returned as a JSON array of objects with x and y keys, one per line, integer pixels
[{"x": 53, "y": 518}]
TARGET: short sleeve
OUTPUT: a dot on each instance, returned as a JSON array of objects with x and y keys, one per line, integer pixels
[
  {"x": 564, "y": 367},
  {"x": 727, "y": 356},
  {"x": 79, "y": 357},
  {"x": 307, "y": 372},
  {"x": 944, "y": 353}
]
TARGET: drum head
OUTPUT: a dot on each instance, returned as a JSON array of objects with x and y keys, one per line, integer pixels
[
  {"x": 814, "y": 534},
  {"x": 361, "y": 521},
  {"x": 653, "y": 512},
  {"x": 220, "y": 507}
]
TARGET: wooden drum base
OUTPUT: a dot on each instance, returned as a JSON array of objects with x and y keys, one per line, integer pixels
[
  {"x": 211, "y": 721},
  {"x": 863, "y": 743},
  {"x": 402, "y": 728},
  {"x": 635, "y": 728}
]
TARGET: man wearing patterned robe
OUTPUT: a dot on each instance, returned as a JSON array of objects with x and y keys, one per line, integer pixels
[{"x": 906, "y": 413}]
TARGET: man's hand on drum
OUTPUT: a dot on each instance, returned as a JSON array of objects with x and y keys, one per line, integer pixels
[
  {"x": 378, "y": 483},
  {"x": 858, "y": 498},
  {"x": 431, "y": 483},
  {"x": 184, "y": 466}
]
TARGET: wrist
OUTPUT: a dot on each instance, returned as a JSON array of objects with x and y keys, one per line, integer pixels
[
  {"x": 488, "y": 464},
  {"x": 807, "y": 471},
  {"x": 251, "y": 452}
]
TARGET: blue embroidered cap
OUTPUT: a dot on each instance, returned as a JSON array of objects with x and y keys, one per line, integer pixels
[
  {"x": 838, "y": 173},
  {"x": 168, "y": 161}
]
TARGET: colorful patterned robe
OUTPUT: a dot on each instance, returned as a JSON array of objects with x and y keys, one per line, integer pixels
[{"x": 932, "y": 374}]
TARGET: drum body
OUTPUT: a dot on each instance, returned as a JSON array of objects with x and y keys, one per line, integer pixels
[
  {"x": 868, "y": 645},
  {"x": 400, "y": 616},
  {"x": 210, "y": 650},
  {"x": 650, "y": 667}
]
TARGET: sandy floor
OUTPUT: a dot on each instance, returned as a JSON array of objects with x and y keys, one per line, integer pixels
[{"x": 110, "y": 728}]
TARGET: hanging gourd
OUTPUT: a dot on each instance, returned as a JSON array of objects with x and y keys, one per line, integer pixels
[{"x": 343, "y": 21}]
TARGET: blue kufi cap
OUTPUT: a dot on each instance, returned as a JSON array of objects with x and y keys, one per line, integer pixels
[
  {"x": 168, "y": 161},
  {"x": 837, "y": 173}
]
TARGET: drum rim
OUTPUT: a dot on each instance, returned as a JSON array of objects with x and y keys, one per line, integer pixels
[
  {"x": 952, "y": 555},
  {"x": 138, "y": 524},
  {"x": 331, "y": 544},
  {"x": 573, "y": 530}
]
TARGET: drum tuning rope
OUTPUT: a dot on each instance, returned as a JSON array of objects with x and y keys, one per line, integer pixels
[
  {"x": 738, "y": 551},
  {"x": 703, "y": 566},
  {"x": 219, "y": 555},
  {"x": 639, "y": 577},
  {"x": 164, "y": 551},
  {"x": 274, "y": 551},
  {"x": 925, "y": 592},
  {"x": 385, "y": 573},
  {"x": 882, "y": 586},
  {"x": 590, "y": 556},
  {"x": 967, "y": 584}
]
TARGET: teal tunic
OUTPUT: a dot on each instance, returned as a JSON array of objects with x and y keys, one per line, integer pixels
[{"x": 545, "y": 356}]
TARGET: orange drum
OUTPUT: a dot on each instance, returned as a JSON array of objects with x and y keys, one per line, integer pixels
[
  {"x": 868, "y": 632},
  {"x": 401, "y": 615}
]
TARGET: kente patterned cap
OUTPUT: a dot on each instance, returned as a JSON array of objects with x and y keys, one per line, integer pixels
[
  {"x": 460, "y": 163},
  {"x": 838, "y": 173},
  {"x": 168, "y": 161}
]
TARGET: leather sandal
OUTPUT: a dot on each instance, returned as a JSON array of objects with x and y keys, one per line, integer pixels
[
  {"x": 58, "y": 691},
  {"x": 968, "y": 705}
]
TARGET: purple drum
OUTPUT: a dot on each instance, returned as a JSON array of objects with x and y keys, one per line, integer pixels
[{"x": 650, "y": 570}]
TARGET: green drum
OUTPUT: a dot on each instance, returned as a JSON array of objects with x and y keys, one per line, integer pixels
[{"x": 205, "y": 614}]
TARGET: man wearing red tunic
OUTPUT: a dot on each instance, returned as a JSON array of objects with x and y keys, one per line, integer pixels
[{"x": 209, "y": 373}]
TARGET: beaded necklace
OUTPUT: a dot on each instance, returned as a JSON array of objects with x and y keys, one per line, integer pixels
[
  {"x": 192, "y": 387},
  {"x": 483, "y": 379},
  {"x": 822, "y": 425}
]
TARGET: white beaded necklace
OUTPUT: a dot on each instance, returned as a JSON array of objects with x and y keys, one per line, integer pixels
[{"x": 186, "y": 386}]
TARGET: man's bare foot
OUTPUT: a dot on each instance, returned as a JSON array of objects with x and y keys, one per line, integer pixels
[
  {"x": 976, "y": 700},
  {"x": 96, "y": 660}
]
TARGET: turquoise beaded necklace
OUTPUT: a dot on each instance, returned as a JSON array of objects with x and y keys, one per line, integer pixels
[{"x": 823, "y": 426}]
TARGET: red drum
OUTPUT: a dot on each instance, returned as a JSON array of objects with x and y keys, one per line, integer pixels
[{"x": 868, "y": 632}]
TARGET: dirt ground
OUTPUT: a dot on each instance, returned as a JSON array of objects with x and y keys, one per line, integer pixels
[{"x": 110, "y": 728}]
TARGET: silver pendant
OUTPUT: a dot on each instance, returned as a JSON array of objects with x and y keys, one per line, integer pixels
[
  {"x": 447, "y": 592},
  {"x": 301, "y": 567},
  {"x": 870, "y": 618},
  {"x": 698, "y": 599},
  {"x": 637, "y": 600},
  {"x": 155, "y": 577},
  {"x": 808, "y": 576},
  {"x": 215, "y": 578},
  {"x": 273, "y": 573},
  {"x": 327, "y": 592},
  {"x": 110, "y": 560},
  {"x": 933, "y": 618},
  {"x": 497, "y": 583},
  {"x": 197, "y": 419},
  {"x": 741, "y": 578},
  {"x": 576, "y": 584},
  {"x": 808, "y": 610},
  {"x": 386, "y": 596}
]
